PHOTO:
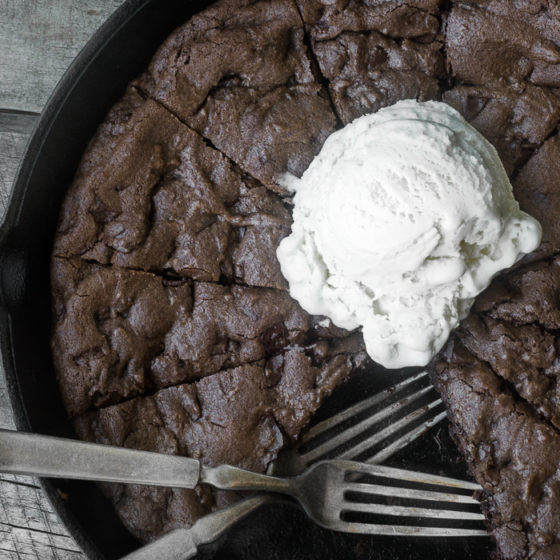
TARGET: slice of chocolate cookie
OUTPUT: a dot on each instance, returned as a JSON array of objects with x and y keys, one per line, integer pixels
[
  {"x": 501, "y": 42},
  {"x": 523, "y": 355},
  {"x": 515, "y": 331},
  {"x": 239, "y": 73},
  {"x": 119, "y": 333},
  {"x": 515, "y": 120},
  {"x": 375, "y": 54},
  {"x": 242, "y": 416},
  {"x": 108, "y": 326},
  {"x": 510, "y": 450},
  {"x": 231, "y": 44},
  {"x": 368, "y": 71},
  {"x": 151, "y": 195}
]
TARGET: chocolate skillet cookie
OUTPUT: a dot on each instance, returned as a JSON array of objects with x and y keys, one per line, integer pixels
[{"x": 173, "y": 328}]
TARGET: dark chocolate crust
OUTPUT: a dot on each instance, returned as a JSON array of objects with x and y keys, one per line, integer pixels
[
  {"x": 151, "y": 195},
  {"x": 374, "y": 54},
  {"x": 120, "y": 333},
  {"x": 517, "y": 120},
  {"x": 241, "y": 75},
  {"x": 495, "y": 42},
  {"x": 173, "y": 329}
]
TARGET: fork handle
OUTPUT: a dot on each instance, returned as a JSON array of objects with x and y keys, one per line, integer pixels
[
  {"x": 39, "y": 455},
  {"x": 176, "y": 545},
  {"x": 182, "y": 544}
]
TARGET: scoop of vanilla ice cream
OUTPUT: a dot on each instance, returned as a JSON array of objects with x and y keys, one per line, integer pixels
[{"x": 399, "y": 222}]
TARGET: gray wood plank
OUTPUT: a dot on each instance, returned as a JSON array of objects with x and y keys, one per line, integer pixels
[
  {"x": 28, "y": 526},
  {"x": 29, "y": 529},
  {"x": 38, "y": 40},
  {"x": 14, "y": 133}
]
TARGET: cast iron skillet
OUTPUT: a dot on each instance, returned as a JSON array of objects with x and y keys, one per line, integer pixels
[{"x": 118, "y": 52}]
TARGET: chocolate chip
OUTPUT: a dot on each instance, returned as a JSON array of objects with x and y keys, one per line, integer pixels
[
  {"x": 274, "y": 337},
  {"x": 472, "y": 106},
  {"x": 102, "y": 213},
  {"x": 273, "y": 370},
  {"x": 172, "y": 281}
]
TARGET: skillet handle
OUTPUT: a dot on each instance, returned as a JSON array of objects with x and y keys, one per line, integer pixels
[
  {"x": 46, "y": 456},
  {"x": 13, "y": 277}
]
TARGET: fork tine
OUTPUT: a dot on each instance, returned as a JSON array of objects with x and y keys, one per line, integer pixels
[
  {"x": 375, "y": 438},
  {"x": 366, "y": 423},
  {"x": 404, "y": 475},
  {"x": 404, "y": 440},
  {"x": 411, "y": 511},
  {"x": 360, "y": 407},
  {"x": 397, "y": 492},
  {"x": 407, "y": 531},
  {"x": 341, "y": 505}
]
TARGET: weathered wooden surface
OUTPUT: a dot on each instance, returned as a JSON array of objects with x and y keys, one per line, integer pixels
[
  {"x": 38, "y": 40},
  {"x": 28, "y": 527}
]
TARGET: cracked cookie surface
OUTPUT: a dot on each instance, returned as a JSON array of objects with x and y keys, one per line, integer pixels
[
  {"x": 510, "y": 451},
  {"x": 375, "y": 54},
  {"x": 150, "y": 194},
  {"x": 239, "y": 73},
  {"x": 120, "y": 333}
]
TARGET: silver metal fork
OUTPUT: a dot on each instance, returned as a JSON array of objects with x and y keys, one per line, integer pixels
[
  {"x": 331, "y": 492},
  {"x": 324, "y": 491},
  {"x": 325, "y": 439},
  {"x": 357, "y": 431}
]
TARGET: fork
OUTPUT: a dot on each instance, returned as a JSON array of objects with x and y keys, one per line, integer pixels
[
  {"x": 328, "y": 491},
  {"x": 349, "y": 434},
  {"x": 183, "y": 543}
]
